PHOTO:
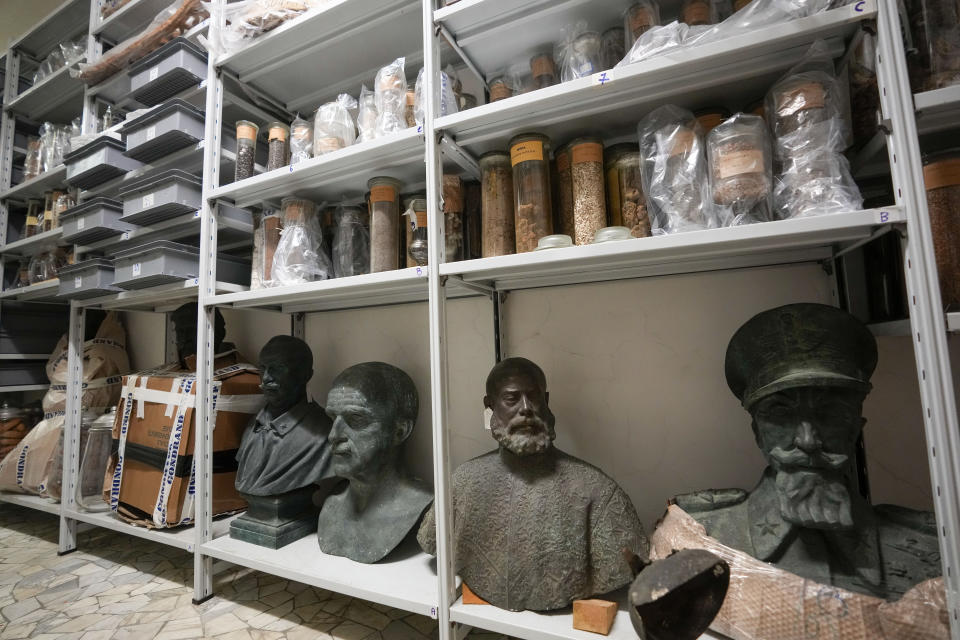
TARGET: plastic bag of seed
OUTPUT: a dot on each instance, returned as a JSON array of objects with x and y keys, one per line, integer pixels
[
  {"x": 390, "y": 87},
  {"x": 673, "y": 171},
  {"x": 740, "y": 163},
  {"x": 301, "y": 140},
  {"x": 333, "y": 126},
  {"x": 448, "y": 100},
  {"x": 816, "y": 184},
  {"x": 579, "y": 53},
  {"x": 655, "y": 41},
  {"x": 367, "y": 115},
  {"x": 299, "y": 256}
]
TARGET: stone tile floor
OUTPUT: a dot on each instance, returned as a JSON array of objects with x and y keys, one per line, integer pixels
[{"x": 124, "y": 588}]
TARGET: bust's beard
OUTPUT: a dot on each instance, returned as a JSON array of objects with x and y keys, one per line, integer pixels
[
  {"x": 527, "y": 442},
  {"x": 814, "y": 494}
]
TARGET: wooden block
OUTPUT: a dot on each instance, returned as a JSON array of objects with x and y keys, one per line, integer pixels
[
  {"x": 469, "y": 597},
  {"x": 594, "y": 615}
]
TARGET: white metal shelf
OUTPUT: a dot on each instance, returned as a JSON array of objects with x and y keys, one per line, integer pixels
[
  {"x": 57, "y": 98},
  {"x": 63, "y": 23},
  {"x": 33, "y": 245},
  {"x": 780, "y": 242},
  {"x": 31, "y": 502},
  {"x": 163, "y": 298},
  {"x": 331, "y": 49},
  {"x": 554, "y": 625},
  {"x": 902, "y": 327},
  {"x": 35, "y": 187},
  {"x": 405, "y": 580},
  {"x": 180, "y": 537},
  {"x": 24, "y": 387},
  {"x": 45, "y": 291},
  {"x": 730, "y": 73},
  {"x": 332, "y": 176},
  {"x": 128, "y": 20},
  {"x": 937, "y": 110},
  {"x": 24, "y": 356}
]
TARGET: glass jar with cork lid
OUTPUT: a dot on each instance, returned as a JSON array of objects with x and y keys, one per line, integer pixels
[
  {"x": 612, "y": 180},
  {"x": 533, "y": 215},
  {"x": 544, "y": 70},
  {"x": 417, "y": 247},
  {"x": 630, "y": 199},
  {"x": 246, "y": 149},
  {"x": 278, "y": 145},
  {"x": 639, "y": 18},
  {"x": 564, "y": 192},
  {"x": 499, "y": 238},
  {"x": 740, "y": 163},
  {"x": 589, "y": 203},
  {"x": 941, "y": 177},
  {"x": 384, "y": 223},
  {"x": 696, "y": 12},
  {"x": 452, "y": 218}
]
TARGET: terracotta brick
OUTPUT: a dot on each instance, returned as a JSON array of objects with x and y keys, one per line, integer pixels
[
  {"x": 469, "y": 597},
  {"x": 594, "y": 615}
]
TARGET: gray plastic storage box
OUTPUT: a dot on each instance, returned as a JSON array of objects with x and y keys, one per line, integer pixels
[
  {"x": 27, "y": 327},
  {"x": 161, "y": 196},
  {"x": 87, "y": 279},
  {"x": 162, "y": 262},
  {"x": 94, "y": 220},
  {"x": 96, "y": 162},
  {"x": 171, "y": 126},
  {"x": 177, "y": 65}
]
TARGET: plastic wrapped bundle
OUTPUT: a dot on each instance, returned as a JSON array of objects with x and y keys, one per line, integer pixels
[
  {"x": 301, "y": 140},
  {"x": 333, "y": 126},
  {"x": 816, "y": 184},
  {"x": 674, "y": 171},
  {"x": 655, "y": 41},
  {"x": 580, "y": 54},
  {"x": 367, "y": 115},
  {"x": 448, "y": 101},
  {"x": 351, "y": 241},
  {"x": 639, "y": 18},
  {"x": 612, "y": 50},
  {"x": 299, "y": 257},
  {"x": 740, "y": 160},
  {"x": 390, "y": 87},
  {"x": 247, "y": 19}
]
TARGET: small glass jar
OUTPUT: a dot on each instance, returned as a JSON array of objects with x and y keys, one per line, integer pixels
[
  {"x": 710, "y": 118},
  {"x": 13, "y": 427},
  {"x": 351, "y": 242},
  {"x": 632, "y": 203},
  {"x": 499, "y": 237},
  {"x": 500, "y": 89},
  {"x": 31, "y": 225},
  {"x": 582, "y": 56},
  {"x": 271, "y": 223},
  {"x": 417, "y": 247},
  {"x": 564, "y": 194},
  {"x": 408, "y": 113},
  {"x": 800, "y": 103},
  {"x": 96, "y": 457},
  {"x": 278, "y": 145},
  {"x": 611, "y": 234},
  {"x": 246, "y": 149},
  {"x": 739, "y": 160},
  {"x": 452, "y": 218},
  {"x": 696, "y": 12},
  {"x": 941, "y": 176},
  {"x": 301, "y": 140},
  {"x": 589, "y": 203},
  {"x": 557, "y": 241},
  {"x": 543, "y": 70},
  {"x": 384, "y": 223},
  {"x": 936, "y": 37},
  {"x": 612, "y": 47},
  {"x": 612, "y": 179},
  {"x": 533, "y": 215},
  {"x": 639, "y": 18}
]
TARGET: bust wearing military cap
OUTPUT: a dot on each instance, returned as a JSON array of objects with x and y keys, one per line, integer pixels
[{"x": 802, "y": 371}]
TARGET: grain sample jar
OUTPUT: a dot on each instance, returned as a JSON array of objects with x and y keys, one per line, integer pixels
[
  {"x": 246, "y": 149},
  {"x": 452, "y": 218},
  {"x": 408, "y": 112},
  {"x": 384, "y": 223},
  {"x": 544, "y": 70},
  {"x": 13, "y": 427},
  {"x": 589, "y": 203},
  {"x": 710, "y": 118},
  {"x": 581, "y": 57},
  {"x": 301, "y": 140},
  {"x": 499, "y": 89},
  {"x": 639, "y": 18},
  {"x": 611, "y": 47},
  {"x": 96, "y": 456},
  {"x": 272, "y": 224},
  {"x": 740, "y": 163},
  {"x": 941, "y": 176},
  {"x": 632, "y": 203},
  {"x": 529, "y": 157},
  {"x": 496, "y": 184},
  {"x": 612, "y": 181},
  {"x": 417, "y": 247},
  {"x": 351, "y": 242},
  {"x": 696, "y": 12},
  {"x": 936, "y": 36},
  {"x": 564, "y": 202},
  {"x": 278, "y": 145}
]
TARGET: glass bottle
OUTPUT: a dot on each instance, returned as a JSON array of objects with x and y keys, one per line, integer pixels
[
  {"x": 533, "y": 214},
  {"x": 246, "y": 149}
]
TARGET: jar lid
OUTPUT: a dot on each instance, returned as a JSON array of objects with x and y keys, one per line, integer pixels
[
  {"x": 384, "y": 181},
  {"x": 584, "y": 140},
  {"x": 610, "y": 234},
  {"x": 492, "y": 157},
  {"x": 247, "y": 130},
  {"x": 525, "y": 137},
  {"x": 419, "y": 204},
  {"x": 941, "y": 170},
  {"x": 277, "y": 130},
  {"x": 556, "y": 241},
  {"x": 8, "y": 413}
]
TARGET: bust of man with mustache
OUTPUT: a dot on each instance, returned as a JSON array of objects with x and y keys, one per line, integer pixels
[
  {"x": 803, "y": 371},
  {"x": 535, "y": 528}
]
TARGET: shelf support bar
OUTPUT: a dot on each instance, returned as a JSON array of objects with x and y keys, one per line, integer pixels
[
  {"x": 881, "y": 231},
  {"x": 499, "y": 331},
  {"x": 71, "y": 429},
  {"x": 450, "y": 148},
  {"x": 452, "y": 41}
]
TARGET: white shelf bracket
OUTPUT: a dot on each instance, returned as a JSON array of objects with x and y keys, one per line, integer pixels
[
  {"x": 463, "y": 158},
  {"x": 451, "y": 39}
]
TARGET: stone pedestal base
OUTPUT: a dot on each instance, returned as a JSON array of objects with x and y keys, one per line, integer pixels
[{"x": 276, "y": 521}]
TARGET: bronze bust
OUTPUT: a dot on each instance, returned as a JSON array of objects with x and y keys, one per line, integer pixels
[
  {"x": 802, "y": 371},
  {"x": 535, "y": 528},
  {"x": 374, "y": 408},
  {"x": 284, "y": 453}
]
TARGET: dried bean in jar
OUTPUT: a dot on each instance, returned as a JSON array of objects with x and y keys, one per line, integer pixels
[
  {"x": 452, "y": 218},
  {"x": 589, "y": 203},
  {"x": 497, "y": 216},
  {"x": 277, "y": 145},
  {"x": 246, "y": 149}
]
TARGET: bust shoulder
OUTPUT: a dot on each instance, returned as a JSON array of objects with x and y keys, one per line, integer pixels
[
  {"x": 920, "y": 521},
  {"x": 710, "y": 499}
]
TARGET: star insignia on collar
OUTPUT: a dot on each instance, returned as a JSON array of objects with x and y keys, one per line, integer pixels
[{"x": 768, "y": 528}]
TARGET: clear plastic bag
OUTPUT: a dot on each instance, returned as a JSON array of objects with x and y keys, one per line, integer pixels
[
  {"x": 367, "y": 115},
  {"x": 301, "y": 140},
  {"x": 247, "y": 19},
  {"x": 390, "y": 87},
  {"x": 816, "y": 183},
  {"x": 674, "y": 171},
  {"x": 351, "y": 241},
  {"x": 299, "y": 257},
  {"x": 611, "y": 47},
  {"x": 580, "y": 53},
  {"x": 32, "y": 165},
  {"x": 740, "y": 162},
  {"x": 655, "y": 41},
  {"x": 333, "y": 126},
  {"x": 639, "y": 18},
  {"x": 448, "y": 100},
  {"x": 71, "y": 52},
  {"x": 54, "y": 144}
]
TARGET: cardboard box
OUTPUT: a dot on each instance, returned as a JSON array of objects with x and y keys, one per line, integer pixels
[{"x": 151, "y": 478}]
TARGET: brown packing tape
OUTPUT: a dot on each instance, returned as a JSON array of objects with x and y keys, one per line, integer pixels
[{"x": 944, "y": 173}]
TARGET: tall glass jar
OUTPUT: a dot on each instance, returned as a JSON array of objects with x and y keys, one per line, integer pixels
[
  {"x": 564, "y": 190},
  {"x": 246, "y": 149},
  {"x": 452, "y": 218},
  {"x": 941, "y": 176},
  {"x": 740, "y": 161},
  {"x": 581, "y": 56},
  {"x": 529, "y": 154},
  {"x": 611, "y": 47},
  {"x": 384, "y": 223},
  {"x": 612, "y": 179},
  {"x": 351, "y": 242},
  {"x": 272, "y": 224},
  {"x": 696, "y": 12},
  {"x": 278, "y": 145},
  {"x": 301, "y": 140},
  {"x": 499, "y": 238},
  {"x": 543, "y": 70},
  {"x": 500, "y": 89},
  {"x": 417, "y": 248},
  {"x": 589, "y": 204},
  {"x": 632, "y": 203},
  {"x": 936, "y": 36},
  {"x": 639, "y": 18},
  {"x": 96, "y": 457}
]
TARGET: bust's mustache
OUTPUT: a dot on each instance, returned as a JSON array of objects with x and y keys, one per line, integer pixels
[{"x": 797, "y": 458}]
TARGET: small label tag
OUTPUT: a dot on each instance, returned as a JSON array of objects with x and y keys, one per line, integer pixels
[
  {"x": 154, "y": 73},
  {"x": 151, "y": 132},
  {"x": 603, "y": 78},
  {"x": 81, "y": 223},
  {"x": 147, "y": 201},
  {"x": 487, "y": 414},
  {"x": 77, "y": 281},
  {"x": 136, "y": 269}
]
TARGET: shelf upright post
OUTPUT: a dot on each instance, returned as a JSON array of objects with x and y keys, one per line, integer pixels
[
  {"x": 71, "y": 429},
  {"x": 436, "y": 293},
  {"x": 7, "y": 132},
  {"x": 203, "y": 421},
  {"x": 927, "y": 323},
  {"x": 88, "y": 121}
]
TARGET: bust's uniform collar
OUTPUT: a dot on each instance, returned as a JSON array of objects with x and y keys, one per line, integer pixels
[{"x": 287, "y": 421}]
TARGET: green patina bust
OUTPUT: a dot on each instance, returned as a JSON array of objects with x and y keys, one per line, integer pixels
[{"x": 802, "y": 371}]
